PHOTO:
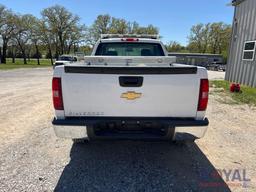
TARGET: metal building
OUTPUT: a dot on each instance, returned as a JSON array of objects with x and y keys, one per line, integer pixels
[
  {"x": 199, "y": 59},
  {"x": 241, "y": 67}
]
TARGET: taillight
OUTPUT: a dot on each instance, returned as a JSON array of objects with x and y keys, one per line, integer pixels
[
  {"x": 130, "y": 39},
  {"x": 57, "y": 93},
  {"x": 203, "y": 95}
]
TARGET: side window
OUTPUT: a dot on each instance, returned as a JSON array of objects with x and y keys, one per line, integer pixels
[{"x": 249, "y": 50}]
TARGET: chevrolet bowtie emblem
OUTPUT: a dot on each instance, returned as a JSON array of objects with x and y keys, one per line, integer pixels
[{"x": 131, "y": 95}]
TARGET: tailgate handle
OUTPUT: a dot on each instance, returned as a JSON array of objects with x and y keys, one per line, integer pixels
[{"x": 129, "y": 81}]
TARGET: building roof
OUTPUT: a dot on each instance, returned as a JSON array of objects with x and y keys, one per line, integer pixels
[{"x": 236, "y": 2}]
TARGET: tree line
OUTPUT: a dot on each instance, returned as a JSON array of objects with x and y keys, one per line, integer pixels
[
  {"x": 213, "y": 38},
  {"x": 58, "y": 31}
]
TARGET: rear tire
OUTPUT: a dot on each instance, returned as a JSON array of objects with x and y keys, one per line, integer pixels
[
  {"x": 90, "y": 132},
  {"x": 80, "y": 141},
  {"x": 182, "y": 142}
]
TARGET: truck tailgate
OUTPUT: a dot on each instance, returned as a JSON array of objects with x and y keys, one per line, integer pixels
[{"x": 119, "y": 92}]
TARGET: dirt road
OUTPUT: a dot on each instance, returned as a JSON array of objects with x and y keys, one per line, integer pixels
[{"x": 33, "y": 159}]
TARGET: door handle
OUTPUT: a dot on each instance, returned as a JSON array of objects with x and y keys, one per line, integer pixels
[{"x": 130, "y": 81}]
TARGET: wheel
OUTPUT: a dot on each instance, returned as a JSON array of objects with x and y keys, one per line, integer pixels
[
  {"x": 182, "y": 142},
  {"x": 90, "y": 136},
  {"x": 90, "y": 132},
  {"x": 80, "y": 141}
]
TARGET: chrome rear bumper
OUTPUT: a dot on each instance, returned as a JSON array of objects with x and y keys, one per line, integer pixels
[{"x": 180, "y": 128}]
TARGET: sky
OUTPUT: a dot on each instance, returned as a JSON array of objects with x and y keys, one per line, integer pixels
[{"x": 173, "y": 18}]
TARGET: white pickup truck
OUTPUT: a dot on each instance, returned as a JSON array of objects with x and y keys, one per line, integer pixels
[
  {"x": 130, "y": 89},
  {"x": 65, "y": 59}
]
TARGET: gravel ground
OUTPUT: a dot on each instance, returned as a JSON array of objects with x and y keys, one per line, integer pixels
[
  {"x": 216, "y": 75},
  {"x": 33, "y": 159}
]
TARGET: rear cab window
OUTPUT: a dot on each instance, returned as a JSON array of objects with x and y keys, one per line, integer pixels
[{"x": 129, "y": 49}]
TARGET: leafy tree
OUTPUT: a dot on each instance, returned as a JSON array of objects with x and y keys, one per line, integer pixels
[
  {"x": 105, "y": 24},
  {"x": 6, "y": 29},
  {"x": 59, "y": 31},
  {"x": 61, "y": 23},
  {"x": 46, "y": 38},
  {"x": 174, "y": 46},
  {"x": 35, "y": 33},
  {"x": 22, "y": 32},
  {"x": 74, "y": 37},
  {"x": 133, "y": 27},
  {"x": 100, "y": 26},
  {"x": 118, "y": 26},
  {"x": 12, "y": 49},
  {"x": 220, "y": 35},
  {"x": 149, "y": 30},
  {"x": 210, "y": 38},
  {"x": 86, "y": 49},
  {"x": 196, "y": 38}
]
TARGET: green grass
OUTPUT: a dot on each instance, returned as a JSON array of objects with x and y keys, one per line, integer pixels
[
  {"x": 19, "y": 64},
  {"x": 247, "y": 95}
]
